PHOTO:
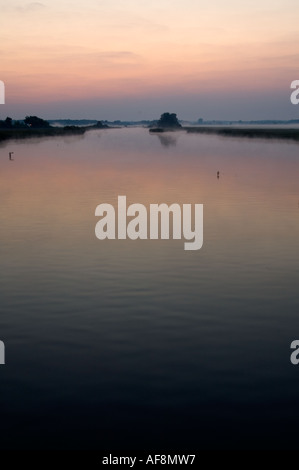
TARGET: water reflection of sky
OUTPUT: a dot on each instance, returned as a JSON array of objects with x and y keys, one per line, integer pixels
[{"x": 120, "y": 329}]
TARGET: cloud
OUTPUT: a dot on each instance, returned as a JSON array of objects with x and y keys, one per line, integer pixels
[
  {"x": 31, "y": 7},
  {"x": 117, "y": 56}
]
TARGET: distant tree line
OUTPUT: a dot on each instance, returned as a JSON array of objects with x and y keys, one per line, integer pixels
[
  {"x": 33, "y": 122},
  {"x": 166, "y": 121}
]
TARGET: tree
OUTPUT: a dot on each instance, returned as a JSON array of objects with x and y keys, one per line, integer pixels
[
  {"x": 169, "y": 121},
  {"x": 8, "y": 122},
  {"x": 36, "y": 122}
]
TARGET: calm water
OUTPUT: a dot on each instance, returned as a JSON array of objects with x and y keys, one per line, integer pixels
[{"x": 140, "y": 344}]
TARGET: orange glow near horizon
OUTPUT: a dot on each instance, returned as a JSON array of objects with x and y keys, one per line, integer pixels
[{"x": 93, "y": 49}]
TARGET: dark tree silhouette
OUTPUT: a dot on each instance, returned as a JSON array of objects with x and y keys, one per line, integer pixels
[
  {"x": 36, "y": 122},
  {"x": 100, "y": 125},
  {"x": 7, "y": 124},
  {"x": 169, "y": 121}
]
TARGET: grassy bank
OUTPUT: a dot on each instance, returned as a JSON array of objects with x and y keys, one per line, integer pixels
[
  {"x": 266, "y": 133},
  {"x": 23, "y": 133},
  {"x": 273, "y": 133}
]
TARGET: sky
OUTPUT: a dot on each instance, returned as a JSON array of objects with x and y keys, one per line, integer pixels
[{"x": 135, "y": 59}]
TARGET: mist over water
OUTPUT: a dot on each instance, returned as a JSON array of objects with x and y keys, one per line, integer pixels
[{"x": 122, "y": 344}]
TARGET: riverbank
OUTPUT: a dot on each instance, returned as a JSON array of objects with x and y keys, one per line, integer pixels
[
  {"x": 266, "y": 133},
  {"x": 28, "y": 132}
]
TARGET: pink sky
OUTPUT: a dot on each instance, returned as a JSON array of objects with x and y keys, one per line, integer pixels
[{"x": 135, "y": 59}]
